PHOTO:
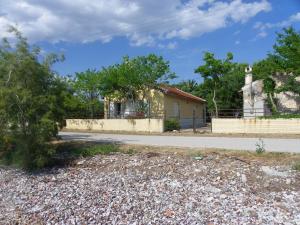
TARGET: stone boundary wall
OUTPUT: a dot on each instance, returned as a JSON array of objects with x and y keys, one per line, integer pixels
[
  {"x": 264, "y": 126},
  {"x": 132, "y": 125}
]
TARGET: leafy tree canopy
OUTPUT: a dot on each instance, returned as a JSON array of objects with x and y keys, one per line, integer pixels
[
  {"x": 285, "y": 60},
  {"x": 134, "y": 75},
  {"x": 87, "y": 89},
  {"x": 213, "y": 70},
  {"x": 30, "y": 102},
  {"x": 190, "y": 86}
]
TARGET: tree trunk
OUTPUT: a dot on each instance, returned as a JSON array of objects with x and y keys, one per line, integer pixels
[
  {"x": 91, "y": 105},
  {"x": 274, "y": 106},
  {"x": 215, "y": 103}
]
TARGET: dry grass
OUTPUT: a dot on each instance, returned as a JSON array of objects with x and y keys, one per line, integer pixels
[
  {"x": 249, "y": 157},
  {"x": 272, "y": 158}
]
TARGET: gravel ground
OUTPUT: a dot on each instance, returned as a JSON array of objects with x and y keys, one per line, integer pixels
[{"x": 152, "y": 188}]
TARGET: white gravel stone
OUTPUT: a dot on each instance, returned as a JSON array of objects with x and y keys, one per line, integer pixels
[
  {"x": 165, "y": 189},
  {"x": 244, "y": 178}
]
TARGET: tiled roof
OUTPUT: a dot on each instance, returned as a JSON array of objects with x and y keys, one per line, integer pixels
[{"x": 181, "y": 94}]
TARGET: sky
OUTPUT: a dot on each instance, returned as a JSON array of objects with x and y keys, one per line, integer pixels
[{"x": 97, "y": 33}]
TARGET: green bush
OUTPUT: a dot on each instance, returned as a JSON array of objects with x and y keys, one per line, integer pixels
[
  {"x": 172, "y": 124},
  {"x": 296, "y": 166},
  {"x": 31, "y": 105},
  {"x": 30, "y": 151},
  {"x": 94, "y": 150},
  {"x": 260, "y": 147}
]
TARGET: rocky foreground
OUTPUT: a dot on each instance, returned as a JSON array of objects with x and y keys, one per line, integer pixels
[{"x": 151, "y": 188}]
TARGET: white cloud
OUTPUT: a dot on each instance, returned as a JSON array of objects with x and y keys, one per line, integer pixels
[
  {"x": 171, "y": 45},
  {"x": 143, "y": 22},
  {"x": 264, "y": 27}
]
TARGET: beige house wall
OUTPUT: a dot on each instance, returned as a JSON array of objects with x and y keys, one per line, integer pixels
[
  {"x": 270, "y": 126},
  {"x": 155, "y": 98},
  {"x": 157, "y": 105},
  {"x": 184, "y": 111},
  {"x": 164, "y": 106},
  {"x": 185, "y": 107},
  {"x": 132, "y": 125}
]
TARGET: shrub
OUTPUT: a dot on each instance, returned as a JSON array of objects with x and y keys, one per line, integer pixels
[
  {"x": 95, "y": 150},
  {"x": 260, "y": 147},
  {"x": 296, "y": 166},
  {"x": 30, "y": 151},
  {"x": 30, "y": 104},
  {"x": 172, "y": 124}
]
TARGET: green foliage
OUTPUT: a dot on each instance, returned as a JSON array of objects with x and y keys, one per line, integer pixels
[
  {"x": 260, "y": 147},
  {"x": 30, "y": 104},
  {"x": 190, "y": 86},
  {"x": 287, "y": 51},
  {"x": 214, "y": 68},
  {"x": 296, "y": 166},
  {"x": 86, "y": 93},
  {"x": 223, "y": 80},
  {"x": 212, "y": 71},
  {"x": 134, "y": 76},
  {"x": 127, "y": 80},
  {"x": 229, "y": 92},
  {"x": 103, "y": 149},
  {"x": 284, "y": 60},
  {"x": 172, "y": 124}
]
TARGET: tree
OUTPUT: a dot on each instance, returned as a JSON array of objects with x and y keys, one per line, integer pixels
[
  {"x": 262, "y": 70},
  {"x": 284, "y": 60},
  {"x": 135, "y": 76},
  {"x": 287, "y": 51},
  {"x": 87, "y": 87},
  {"x": 30, "y": 106},
  {"x": 212, "y": 71},
  {"x": 190, "y": 86},
  {"x": 228, "y": 91}
]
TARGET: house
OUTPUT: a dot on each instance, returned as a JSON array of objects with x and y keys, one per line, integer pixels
[
  {"x": 164, "y": 103},
  {"x": 255, "y": 101}
]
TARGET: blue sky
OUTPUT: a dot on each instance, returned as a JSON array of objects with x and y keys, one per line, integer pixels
[{"x": 97, "y": 33}]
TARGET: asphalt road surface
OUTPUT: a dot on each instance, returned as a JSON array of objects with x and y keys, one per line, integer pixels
[{"x": 233, "y": 143}]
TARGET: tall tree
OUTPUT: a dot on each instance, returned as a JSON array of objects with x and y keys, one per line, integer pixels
[
  {"x": 29, "y": 102},
  {"x": 212, "y": 70},
  {"x": 87, "y": 87},
  {"x": 284, "y": 60},
  {"x": 264, "y": 70},
  {"x": 228, "y": 91},
  {"x": 134, "y": 76}
]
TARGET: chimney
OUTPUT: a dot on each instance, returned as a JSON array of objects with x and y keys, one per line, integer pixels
[{"x": 248, "y": 77}]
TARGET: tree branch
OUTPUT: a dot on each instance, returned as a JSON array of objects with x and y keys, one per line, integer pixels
[{"x": 9, "y": 76}]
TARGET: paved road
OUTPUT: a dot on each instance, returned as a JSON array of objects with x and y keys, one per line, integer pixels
[{"x": 234, "y": 143}]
